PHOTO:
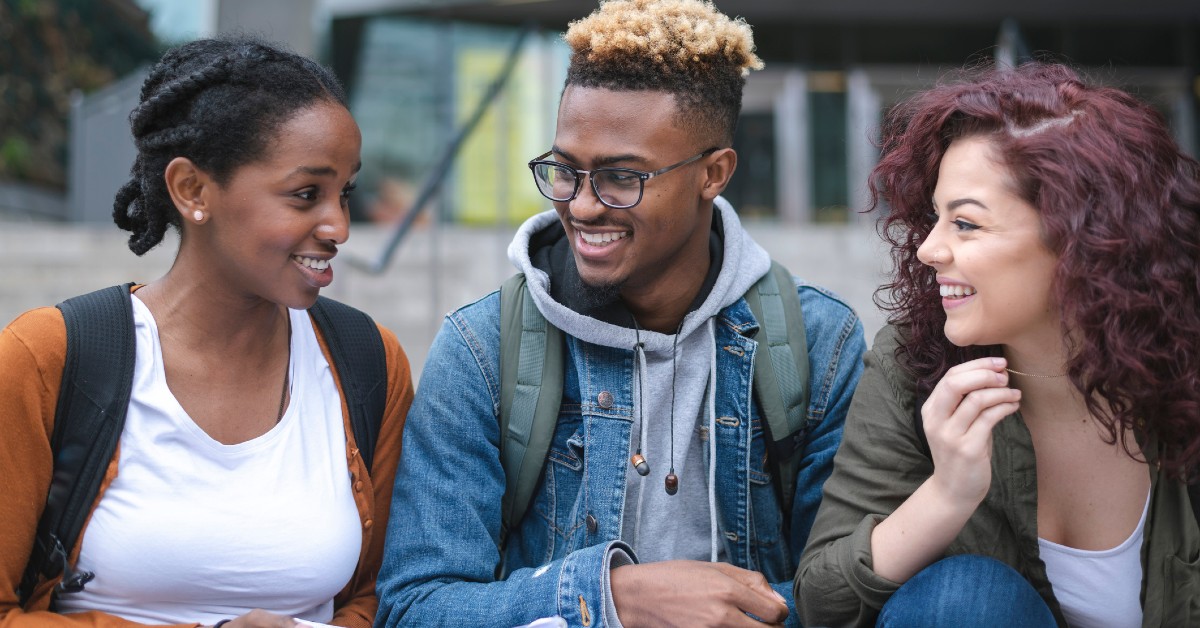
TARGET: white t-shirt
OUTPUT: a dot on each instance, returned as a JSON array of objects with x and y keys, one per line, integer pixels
[
  {"x": 192, "y": 530},
  {"x": 1100, "y": 589}
]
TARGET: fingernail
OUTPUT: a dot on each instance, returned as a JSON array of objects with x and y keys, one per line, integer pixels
[
  {"x": 998, "y": 362},
  {"x": 782, "y": 600}
]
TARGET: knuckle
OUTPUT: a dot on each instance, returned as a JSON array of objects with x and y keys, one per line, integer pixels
[
  {"x": 975, "y": 401},
  {"x": 728, "y": 590}
]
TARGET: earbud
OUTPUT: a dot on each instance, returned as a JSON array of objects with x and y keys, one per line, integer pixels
[
  {"x": 640, "y": 465},
  {"x": 671, "y": 483}
]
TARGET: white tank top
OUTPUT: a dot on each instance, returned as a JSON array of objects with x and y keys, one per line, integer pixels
[
  {"x": 1100, "y": 589},
  {"x": 192, "y": 530}
]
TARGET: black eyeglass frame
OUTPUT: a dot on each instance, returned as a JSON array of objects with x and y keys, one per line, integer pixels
[{"x": 642, "y": 176}]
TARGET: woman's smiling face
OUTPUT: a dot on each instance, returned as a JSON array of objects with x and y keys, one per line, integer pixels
[
  {"x": 278, "y": 221},
  {"x": 993, "y": 268}
]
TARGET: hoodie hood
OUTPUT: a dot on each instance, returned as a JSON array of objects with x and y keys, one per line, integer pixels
[{"x": 743, "y": 262}]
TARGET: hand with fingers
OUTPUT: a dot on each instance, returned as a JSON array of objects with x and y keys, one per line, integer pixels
[
  {"x": 694, "y": 593},
  {"x": 959, "y": 415},
  {"x": 259, "y": 618},
  {"x": 964, "y": 406}
]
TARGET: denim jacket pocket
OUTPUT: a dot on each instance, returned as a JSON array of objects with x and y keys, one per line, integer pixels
[
  {"x": 765, "y": 517},
  {"x": 559, "y": 502}
]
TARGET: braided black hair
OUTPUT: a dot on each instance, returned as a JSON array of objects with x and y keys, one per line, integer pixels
[{"x": 216, "y": 102}]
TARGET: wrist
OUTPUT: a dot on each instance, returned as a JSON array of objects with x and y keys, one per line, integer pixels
[
  {"x": 621, "y": 585},
  {"x": 940, "y": 493}
]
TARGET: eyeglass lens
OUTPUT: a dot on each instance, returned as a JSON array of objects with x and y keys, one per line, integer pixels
[{"x": 614, "y": 187}]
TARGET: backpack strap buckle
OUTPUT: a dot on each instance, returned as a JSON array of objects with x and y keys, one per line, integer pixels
[{"x": 72, "y": 581}]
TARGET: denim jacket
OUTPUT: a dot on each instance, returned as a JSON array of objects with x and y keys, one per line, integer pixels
[{"x": 441, "y": 557}]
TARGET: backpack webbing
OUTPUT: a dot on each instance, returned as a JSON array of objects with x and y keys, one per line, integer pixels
[
  {"x": 781, "y": 382},
  {"x": 361, "y": 363},
  {"x": 531, "y": 381},
  {"x": 97, "y": 381}
]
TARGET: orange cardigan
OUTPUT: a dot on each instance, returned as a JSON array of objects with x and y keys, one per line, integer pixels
[{"x": 32, "y": 352}]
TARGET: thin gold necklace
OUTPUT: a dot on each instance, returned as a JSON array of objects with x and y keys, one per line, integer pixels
[{"x": 1016, "y": 372}]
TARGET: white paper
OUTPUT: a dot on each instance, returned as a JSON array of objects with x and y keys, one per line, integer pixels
[{"x": 547, "y": 622}]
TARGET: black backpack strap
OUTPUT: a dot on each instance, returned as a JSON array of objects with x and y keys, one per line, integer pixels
[
  {"x": 97, "y": 380},
  {"x": 361, "y": 364}
]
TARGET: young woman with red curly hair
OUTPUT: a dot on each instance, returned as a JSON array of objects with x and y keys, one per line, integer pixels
[{"x": 1019, "y": 447}]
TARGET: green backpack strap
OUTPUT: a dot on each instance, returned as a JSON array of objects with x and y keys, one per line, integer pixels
[
  {"x": 531, "y": 373},
  {"x": 781, "y": 375}
]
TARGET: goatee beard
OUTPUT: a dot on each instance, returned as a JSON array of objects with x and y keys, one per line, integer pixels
[
  {"x": 590, "y": 296},
  {"x": 597, "y": 296}
]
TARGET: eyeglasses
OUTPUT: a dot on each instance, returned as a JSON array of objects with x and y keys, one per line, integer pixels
[{"x": 617, "y": 188}]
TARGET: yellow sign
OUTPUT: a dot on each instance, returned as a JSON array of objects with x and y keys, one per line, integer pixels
[{"x": 492, "y": 183}]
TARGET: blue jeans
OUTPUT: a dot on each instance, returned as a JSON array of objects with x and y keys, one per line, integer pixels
[{"x": 966, "y": 590}]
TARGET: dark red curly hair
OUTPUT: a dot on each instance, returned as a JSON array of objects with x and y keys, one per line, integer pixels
[{"x": 1119, "y": 206}]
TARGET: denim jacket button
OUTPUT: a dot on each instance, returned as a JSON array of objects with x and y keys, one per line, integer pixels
[
  {"x": 591, "y": 524},
  {"x": 605, "y": 399}
]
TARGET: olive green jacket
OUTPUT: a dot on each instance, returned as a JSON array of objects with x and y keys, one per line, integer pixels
[{"x": 881, "y": 462}]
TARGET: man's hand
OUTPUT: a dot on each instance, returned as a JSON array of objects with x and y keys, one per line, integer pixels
[{"x": 694, "y": 593}]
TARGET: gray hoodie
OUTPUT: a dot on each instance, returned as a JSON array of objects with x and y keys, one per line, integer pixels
[{"x": 675, "y": 392}]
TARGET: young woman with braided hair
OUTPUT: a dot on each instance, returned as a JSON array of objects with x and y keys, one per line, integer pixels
[{"x": 237, "y": 495}]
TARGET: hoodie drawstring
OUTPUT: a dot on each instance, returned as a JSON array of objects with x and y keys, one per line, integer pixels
[
  {"x": 639, "y": 353},
  {"x": 712, "y": 437},
  {"x": 640, "y": 369}
]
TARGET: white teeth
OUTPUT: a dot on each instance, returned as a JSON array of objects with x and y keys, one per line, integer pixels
[
  {"x": 956, "y": 291},
  {"x": 600, "y": 239},
  {"x": 318, "y": 265}
]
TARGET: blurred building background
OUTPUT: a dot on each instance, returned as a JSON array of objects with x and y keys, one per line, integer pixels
[
  {"x": 437, "y": 203},
  {"x": 805, "y": 139}
]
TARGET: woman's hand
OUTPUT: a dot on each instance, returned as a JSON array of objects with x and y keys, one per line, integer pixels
[
  {"x": 259, "y": 618},
  {"x": 959, "y": 415},
  {"x": 958, "y": 419}
]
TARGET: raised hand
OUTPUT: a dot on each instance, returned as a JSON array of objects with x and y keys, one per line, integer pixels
[{"x": 959, "y": 415}]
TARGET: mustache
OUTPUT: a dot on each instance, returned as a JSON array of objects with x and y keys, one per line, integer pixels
[{"x": 597, "y": 224}]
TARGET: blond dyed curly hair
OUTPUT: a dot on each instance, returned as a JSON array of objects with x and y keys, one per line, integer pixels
[{"x": 684, "y": 47}]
